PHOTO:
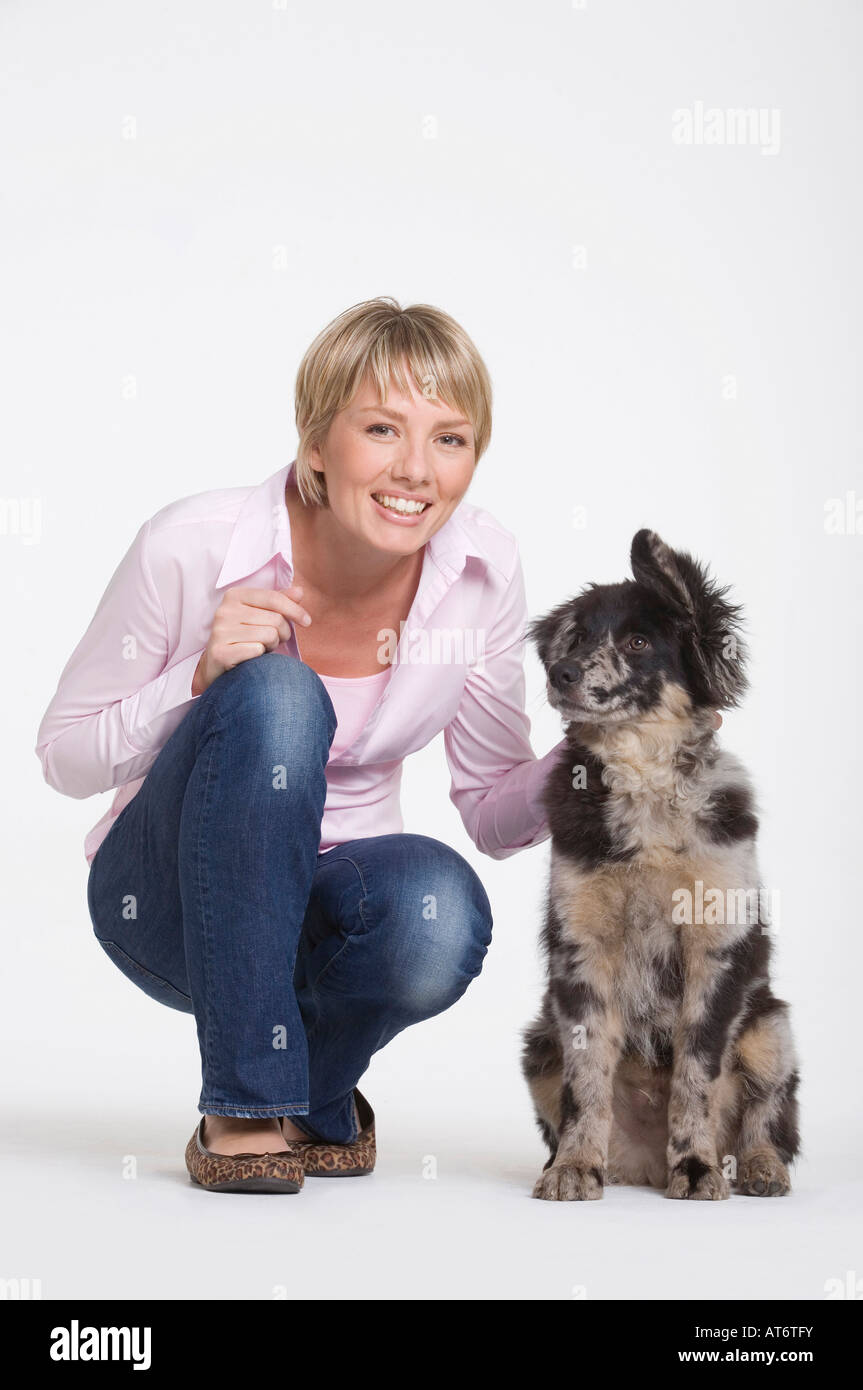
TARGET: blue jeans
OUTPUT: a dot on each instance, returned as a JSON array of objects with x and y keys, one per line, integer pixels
[{"x": 209, "y": 893}]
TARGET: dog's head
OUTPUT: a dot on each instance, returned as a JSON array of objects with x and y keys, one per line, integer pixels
[{"x": 620, "y": 652}]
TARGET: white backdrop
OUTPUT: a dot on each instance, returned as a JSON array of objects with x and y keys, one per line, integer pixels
[{"x": 190, "y": 191}]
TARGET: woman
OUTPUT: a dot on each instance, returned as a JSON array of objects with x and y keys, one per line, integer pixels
[{"x": 258, "y": 668}]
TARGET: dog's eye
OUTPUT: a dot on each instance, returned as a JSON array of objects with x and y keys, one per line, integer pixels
[
  {"x": 576, "y": 639},
  {"x": 637, "y": 643}
]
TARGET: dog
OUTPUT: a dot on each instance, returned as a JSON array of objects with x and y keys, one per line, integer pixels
[{"x": 660, "y": 1055}]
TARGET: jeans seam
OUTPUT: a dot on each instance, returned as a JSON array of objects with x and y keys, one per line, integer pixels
[
  {"x": 203, "y": 899},
  {"x": 312, "y": 1032},
  {"x": 345, "y": 859},
  {"x": 157, "y": 979},
  {"x": 288, "y": 1107}
]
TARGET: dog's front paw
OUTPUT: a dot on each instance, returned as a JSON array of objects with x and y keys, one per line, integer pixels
[
  {"x": 697, "y": 1181},
  {"x": 565, "y": 1182},
  {"x": 763, "y": 1175}
]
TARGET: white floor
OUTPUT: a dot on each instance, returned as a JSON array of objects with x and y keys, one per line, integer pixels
[
  {"x": 96, "y": 1203},
  {"x": 99, "y": 1095}
]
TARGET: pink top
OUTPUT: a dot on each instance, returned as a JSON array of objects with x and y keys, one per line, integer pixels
[
  {"x": 458, "y": 666},
  {"x": 354, "y": 698}
]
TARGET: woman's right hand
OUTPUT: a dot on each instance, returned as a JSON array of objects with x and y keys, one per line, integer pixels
[{"x": 247, "y": 623}]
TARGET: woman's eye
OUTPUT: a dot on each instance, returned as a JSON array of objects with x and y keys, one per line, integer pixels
[
  {"x": 449, "y": 439},
  {"x": 637, "y": 643}
]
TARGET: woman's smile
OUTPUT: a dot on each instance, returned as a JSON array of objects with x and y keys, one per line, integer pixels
[{"x": 400, "y": 508}]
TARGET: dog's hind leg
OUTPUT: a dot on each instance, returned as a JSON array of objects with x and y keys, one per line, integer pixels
[
  {"x": 542, "y": 1066},
  {"x": 766, "y": 1062}
]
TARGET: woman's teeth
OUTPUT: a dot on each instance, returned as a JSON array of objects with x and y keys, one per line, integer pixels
[{"x": 400, "y": 504}]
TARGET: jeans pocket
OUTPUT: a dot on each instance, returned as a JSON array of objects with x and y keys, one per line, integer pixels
[{"x": 153, "y": 985}]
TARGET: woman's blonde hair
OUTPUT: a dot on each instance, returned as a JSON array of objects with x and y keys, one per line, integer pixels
[{"x": 374, "y": 338}]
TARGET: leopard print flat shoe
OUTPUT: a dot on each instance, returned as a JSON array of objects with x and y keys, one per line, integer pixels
[
  {"x": 278, "y": 1172},
  {"x": 325, "y": 1160}
]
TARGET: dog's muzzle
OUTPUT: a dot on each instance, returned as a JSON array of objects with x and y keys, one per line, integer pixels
[{"x": 565, "y": 677}]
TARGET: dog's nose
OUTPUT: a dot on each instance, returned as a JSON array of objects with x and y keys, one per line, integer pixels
[{"x": 563, "y": 674}]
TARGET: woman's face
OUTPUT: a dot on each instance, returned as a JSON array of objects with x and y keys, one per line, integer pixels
[{"x": 412, "y": 449}]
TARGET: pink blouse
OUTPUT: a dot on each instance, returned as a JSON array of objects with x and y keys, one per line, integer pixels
[
  {"x": 458, "y": 666},
  {"x": 354, "y": 698}
]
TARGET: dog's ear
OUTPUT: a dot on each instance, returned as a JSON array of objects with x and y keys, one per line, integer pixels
[
  {"x": 542, "y": 632},
  {"x": 656, "y": 566},
  {"x": 714, "y": 647}
]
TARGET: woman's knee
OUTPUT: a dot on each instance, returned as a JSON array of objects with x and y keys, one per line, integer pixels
[
  {"x": 435, "y": 929},
  {"x": 274, "y": 690}
]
